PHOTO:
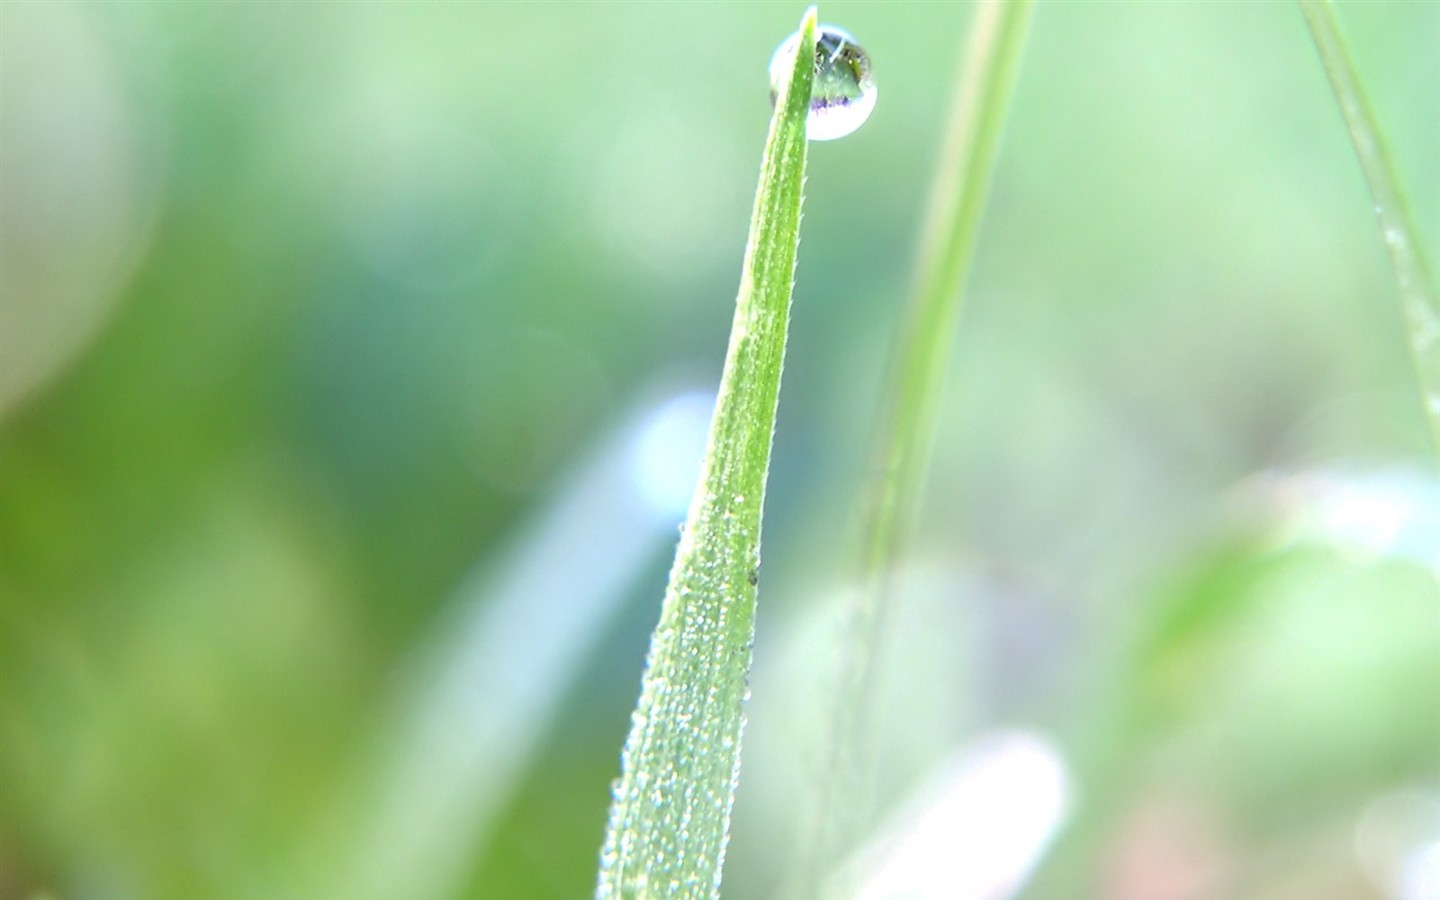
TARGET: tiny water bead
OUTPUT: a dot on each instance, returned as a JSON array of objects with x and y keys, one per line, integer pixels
[{"x": 844, "y": 93}]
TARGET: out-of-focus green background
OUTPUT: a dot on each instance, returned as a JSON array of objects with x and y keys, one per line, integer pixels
[{"x": 321, "y": 322}]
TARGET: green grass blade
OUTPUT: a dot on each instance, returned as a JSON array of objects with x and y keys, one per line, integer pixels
[
  {"x": 1402, "y": 239},
  {"x": 670, "y": 817},
  {"x": 991, "y": 59}
]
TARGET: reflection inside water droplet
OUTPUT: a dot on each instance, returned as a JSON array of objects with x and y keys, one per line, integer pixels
[{"x": 844, "y": 93}]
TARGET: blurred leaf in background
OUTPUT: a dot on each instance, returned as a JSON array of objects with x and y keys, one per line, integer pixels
[{"x": 309, "y": 313}]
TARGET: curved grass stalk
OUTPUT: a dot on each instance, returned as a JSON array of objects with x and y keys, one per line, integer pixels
[
  {"x": 670, "y": 816},
  {"x": 991, "y": 58},
  {"x": 1418, "y": 295}
]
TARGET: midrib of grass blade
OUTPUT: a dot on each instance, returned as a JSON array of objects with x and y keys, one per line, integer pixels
[
  {"x": 1418, "y": 295},
  {"x": 670, "y": 816},
  {"x": 991, "y": 59}
]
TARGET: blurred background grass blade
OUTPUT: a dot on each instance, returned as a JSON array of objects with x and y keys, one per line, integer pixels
[
  {"x": 1215, "y": 654},
  {"x": 990, "y": 59},
  {"x": 670, "y": 819},
  {"x": 1418, "y": 298},
  {"x": 474, "y": 702}
]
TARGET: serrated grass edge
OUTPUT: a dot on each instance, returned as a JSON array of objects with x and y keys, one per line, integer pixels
[{"x": 670, "y": 814}]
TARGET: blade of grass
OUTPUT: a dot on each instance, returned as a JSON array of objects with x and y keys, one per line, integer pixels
[
  {"x": 670, "y": 817},
  {"x": 990, "y": 60},
  {"x": 1402, "y": 239}
]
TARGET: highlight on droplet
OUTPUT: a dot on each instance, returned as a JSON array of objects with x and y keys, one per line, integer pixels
[{"x": 844, "y": 93}]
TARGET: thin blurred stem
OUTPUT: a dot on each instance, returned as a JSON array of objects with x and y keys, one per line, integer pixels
[
  {"x": 1417, "y": 291},
  {"x": 990, "y": 61}
]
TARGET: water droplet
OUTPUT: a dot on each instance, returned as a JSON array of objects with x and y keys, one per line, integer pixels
[{"x": 844, "y": 93}]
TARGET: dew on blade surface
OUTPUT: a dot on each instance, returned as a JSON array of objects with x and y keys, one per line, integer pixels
[{"x": 844, "y": 93}]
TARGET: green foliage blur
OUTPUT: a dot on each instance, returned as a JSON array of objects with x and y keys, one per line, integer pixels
[{"x": 309, "y": 312}]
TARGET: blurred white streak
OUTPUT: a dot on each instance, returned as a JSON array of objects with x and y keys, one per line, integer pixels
[
  {"x": 975, "y": 831},
  {"x": 1419, "y": 876},
  {"x": 481, "y": 693},
  {"x": 1385, "y": 513},
  {"x": 666, "y": 450},
  {"x": 1397, "y": 843}
]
